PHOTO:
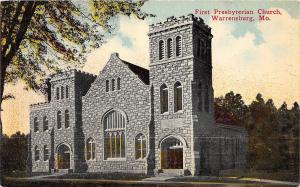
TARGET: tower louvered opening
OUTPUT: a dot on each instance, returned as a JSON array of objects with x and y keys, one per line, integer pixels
[
  {"x": 161, "y": 50},
  {"x": 178, "y": 46}
]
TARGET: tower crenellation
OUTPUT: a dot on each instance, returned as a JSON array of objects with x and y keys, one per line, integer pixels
[{"x": 172, "y": 22}]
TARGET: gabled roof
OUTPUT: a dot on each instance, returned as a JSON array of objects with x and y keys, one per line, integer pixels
[{"x": 142, "y": 73}]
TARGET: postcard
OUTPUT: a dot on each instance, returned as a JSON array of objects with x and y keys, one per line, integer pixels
[{"x": 150, "y": 93}]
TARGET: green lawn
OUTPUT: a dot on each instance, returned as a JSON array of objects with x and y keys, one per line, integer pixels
[
  {"x": 135, "y": 180},
  {"x": 284, "y": 175},
  {"x": 22, "y": 182}
]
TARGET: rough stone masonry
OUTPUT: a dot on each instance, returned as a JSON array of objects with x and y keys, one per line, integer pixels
[{"x": 130, "y": 119}]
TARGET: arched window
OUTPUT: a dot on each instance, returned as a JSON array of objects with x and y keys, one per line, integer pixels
[
  {"x": 161, "y": 50},
  {"x": 177, "y": 97},
  {"x": 170, "y": 47},
  {"x": 36, "y": 153},
  {"x": 57, "y": 93},
  {"x": 67, "y": 91},
  {"x": 58, "y": 119},
  {"x": 178, "y": 46},
  {"x": 118, "y": 83},
  {"x": 67, "y": 119},
  {"x": 90, "y": 149},
  {"x": 200, "y": 96},
  {"x": 113, "y": 86},
  {"x": 114, "y": 132},
  {"x": 45, "y": 123},
  {"x": 62, "y": 89},
  {"x": 206, "y": 99},
  {"x": 46, "y": 153},
  {"x": 164, "y": 99},
  {"x": 35, "y": 124},
  {"x": 107, "y": 86},
  {"x": 140, "y": 146}
]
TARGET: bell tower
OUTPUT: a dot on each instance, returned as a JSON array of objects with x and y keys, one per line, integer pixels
[{"x": 181, "y": 81}]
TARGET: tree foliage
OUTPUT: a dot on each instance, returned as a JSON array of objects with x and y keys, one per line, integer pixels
[
  {"x": 15, "y": 154},
  {"x": 41, "y": 37},
  {"x": 273, "y": 133},
  {"x": 230, "y": 109},
  {"x": 273, "y": 136}
]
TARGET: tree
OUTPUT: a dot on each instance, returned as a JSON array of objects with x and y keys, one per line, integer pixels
[
  {"x": 230, "y": 109},
  {"x": 268, "y": 145},
  {"x": 295, "y": 117},
  {"x": 43, "y": 37},
  {"x": 15, "y": 155},
  {"x": 273, "y": 142}
]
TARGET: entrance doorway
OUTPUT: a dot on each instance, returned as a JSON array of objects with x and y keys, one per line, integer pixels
[
  {"x": 63, "y": 157},
  {"x": 171, "y": 154}
]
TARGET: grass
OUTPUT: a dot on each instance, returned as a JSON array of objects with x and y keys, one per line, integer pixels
[
  {"x": 283, "y": 175},
  {"x": 134, "y": 180},
  {"x": 22, "y": 174},
  {"x": 21, "y": 182},
  {"x": 209, "y": 179}
]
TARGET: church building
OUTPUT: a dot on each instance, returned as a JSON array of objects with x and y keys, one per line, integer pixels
[{"x": 131, "y": 119}]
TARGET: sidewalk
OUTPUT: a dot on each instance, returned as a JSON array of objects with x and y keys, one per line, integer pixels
[
  {"x": 215, "y": 178},
  {"x": 270, "y": 181},
  {"x": 159, "y": 178},
  {"x": 152, "y": 181},
  {"x": 45, "y": 176}
]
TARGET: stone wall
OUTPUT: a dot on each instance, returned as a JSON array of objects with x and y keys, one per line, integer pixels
[
  {"x": 64, "y": 135},
  {"x": 83, "y": 82},
  {"x": 41, "y": 137},
  {"x": 189, "y": 70},
  {"x": 207, "y": 147},
  {"x": 132, "y": 99},
  {"x": 225, "y": 148},
  {"x": 54, "y": 136}
]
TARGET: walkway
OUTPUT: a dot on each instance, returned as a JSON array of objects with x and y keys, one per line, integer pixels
[
  {"x": 152, "y": 181},
  {"x": 45, "y": 176},
  {"x": 215, "y": 178}
]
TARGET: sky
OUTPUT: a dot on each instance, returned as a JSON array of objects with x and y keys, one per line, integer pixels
[{"x": 247, "y": 57}]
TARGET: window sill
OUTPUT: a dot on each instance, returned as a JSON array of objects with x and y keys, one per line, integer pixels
[
  {"x": 92, "y": 160},
  {"x": 141, "y": 159},
  {"x": 178, "y": 112},
  {"x": 112, "y": 91},
  {"x": 165, "y": 113},
  {"x": 114, "y": 130},
  {"x": 115, "y": 159}
]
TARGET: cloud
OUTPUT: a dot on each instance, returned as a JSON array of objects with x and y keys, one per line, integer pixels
[
  {"x": 271, "y": 68},
  {"x": 135, "y": 31},
  {"x": 239, "y": 64}
]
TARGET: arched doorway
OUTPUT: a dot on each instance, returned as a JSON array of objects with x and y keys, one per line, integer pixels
[
  {"x": 171, "y": 153},
  {"x": 63, "y": 157}
]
